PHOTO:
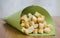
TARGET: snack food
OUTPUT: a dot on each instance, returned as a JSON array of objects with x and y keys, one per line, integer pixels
[{"x": 34, "y": 23}]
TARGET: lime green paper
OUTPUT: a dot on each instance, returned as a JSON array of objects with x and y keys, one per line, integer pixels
[{"x": 14, "y": 19}]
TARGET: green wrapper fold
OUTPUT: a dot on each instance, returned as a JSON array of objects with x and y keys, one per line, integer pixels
[{"x": 14, "y": 19}]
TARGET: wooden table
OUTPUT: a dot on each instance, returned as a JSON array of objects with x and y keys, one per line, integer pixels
[{"x": 7, "y": 31}]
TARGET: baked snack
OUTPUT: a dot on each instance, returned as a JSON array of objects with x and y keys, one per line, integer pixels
[{"x": 34, "y": 23}]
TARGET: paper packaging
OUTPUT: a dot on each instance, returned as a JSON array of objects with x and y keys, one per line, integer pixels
[{"x": 14, "y": 19}]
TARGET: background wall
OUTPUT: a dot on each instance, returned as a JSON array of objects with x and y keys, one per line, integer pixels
[{"x": 8, "y": 7}]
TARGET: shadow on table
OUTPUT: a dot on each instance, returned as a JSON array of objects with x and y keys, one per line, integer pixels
[{"x": 14, "y": 33}]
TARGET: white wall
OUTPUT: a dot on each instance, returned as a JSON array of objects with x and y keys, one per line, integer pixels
[
  {"x": 8, "y": 7},
  {"x": 58, "y": 8}
]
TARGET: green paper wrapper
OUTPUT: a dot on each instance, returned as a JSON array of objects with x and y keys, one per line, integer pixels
[{"x": 14, "y": 19}]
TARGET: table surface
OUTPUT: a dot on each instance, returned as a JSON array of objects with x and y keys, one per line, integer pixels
[{"x": 7, "y": 31}]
